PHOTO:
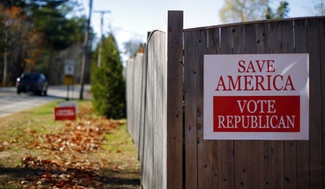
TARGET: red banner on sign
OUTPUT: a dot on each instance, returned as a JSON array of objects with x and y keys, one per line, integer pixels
[
  {"x": 65, "y": 113},
  {"x": 256, "y": 113}
]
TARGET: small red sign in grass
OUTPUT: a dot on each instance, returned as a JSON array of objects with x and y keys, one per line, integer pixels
[{"x": 64, "y": 113}]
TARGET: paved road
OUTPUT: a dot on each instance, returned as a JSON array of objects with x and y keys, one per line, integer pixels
[{"x": 11, "y": 102}]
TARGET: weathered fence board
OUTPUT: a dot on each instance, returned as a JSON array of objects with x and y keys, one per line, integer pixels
[
  {"x": 322, "y": 58},
  {"x": 137, "y": 78},
  {"x": 227, "y": 153},
  {"x": 276, "y": 159},
  {"x": 264, "y": 147},
  {"x": 174, "y": 154},
  {"x": 315, "y": 140},
  {"x": 204, "y": 155},
  {"x": 302, "y": 146},
  {"x": 143, "y": 103},
  {"x": 251, "y": 169},
  {"x": 290, "y": 156},
  {"x": 190, "y": 85},
  {"x": 238, "y": 47},
  {"x": 174, "y": 99},
  {"x": 215, "y": 146},
  {"x": 160, "y": 74}
]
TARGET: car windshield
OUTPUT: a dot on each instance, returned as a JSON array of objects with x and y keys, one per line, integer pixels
[{"x": 30, "y": 77}]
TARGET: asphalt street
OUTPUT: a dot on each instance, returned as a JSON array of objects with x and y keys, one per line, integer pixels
[{"x": 11, "y": 102}]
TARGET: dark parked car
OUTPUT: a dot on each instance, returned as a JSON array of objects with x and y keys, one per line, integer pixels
[{"x": 32, "y": 82}]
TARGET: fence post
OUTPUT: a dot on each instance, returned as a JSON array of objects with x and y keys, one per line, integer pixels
[{"x": 174, "y": 99}]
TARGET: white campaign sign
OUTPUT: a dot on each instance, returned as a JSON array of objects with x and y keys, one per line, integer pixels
[{"x": 256, "y": 97}]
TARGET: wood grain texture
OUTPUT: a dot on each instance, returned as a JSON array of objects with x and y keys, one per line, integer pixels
[
  {"x": 252, "y": 156},
  {"x": 315, "y": 140},
  {"x": 147, "y": 171},
  {"x": 159, "y": 93},
  {"x": 227, "y": 146},
  {"x": 264, "y": 147},
  {"x": 190, "y": 88},
  {"x": 322, "y": 57},
  {"x": 215, "y": 145},
  {"x": 174, "y": 99},
  {"x": 174, "y": 155},
  {"x": 204, "y": 154},
  {"x": 238, "y": 40},
  {"x": 302, "y": 146},
  {"x": 290, "y": 147},
  {"x": 276, "y": 153}
]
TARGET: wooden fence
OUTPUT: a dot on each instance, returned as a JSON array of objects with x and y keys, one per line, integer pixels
[{"x": 165, "y": 109}]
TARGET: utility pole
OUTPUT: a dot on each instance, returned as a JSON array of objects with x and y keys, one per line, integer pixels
[
  {"x": 99, "y": 59},
  {"x": 5, "y": 60},
  {"x": 85, "y": 55},
  {"x": 5, "y": 63}
]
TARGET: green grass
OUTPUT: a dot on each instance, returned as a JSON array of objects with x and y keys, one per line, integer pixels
[
  {"x": 39, "y": 119},
  {"x": 19, "y": 129},
  {"x": 117, "y": 139}
]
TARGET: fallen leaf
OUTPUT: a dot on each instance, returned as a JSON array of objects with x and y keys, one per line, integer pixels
[{"x": 60, "y": 185}]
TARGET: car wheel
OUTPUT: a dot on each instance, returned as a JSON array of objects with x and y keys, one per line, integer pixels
[
  {"x": 18, "y": 91},
  {"x": 45, "y": 93}
]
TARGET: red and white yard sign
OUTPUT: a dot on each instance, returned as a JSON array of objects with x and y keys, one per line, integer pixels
[
  {"x": 256, "y": 97},
  {"x": 64, "y": 113}
]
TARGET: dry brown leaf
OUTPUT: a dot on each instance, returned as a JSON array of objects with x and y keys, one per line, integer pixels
[{"x": 85, "y": 135}]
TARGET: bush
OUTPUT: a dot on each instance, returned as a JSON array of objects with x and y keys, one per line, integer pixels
[{"x": 107, "y": 82}]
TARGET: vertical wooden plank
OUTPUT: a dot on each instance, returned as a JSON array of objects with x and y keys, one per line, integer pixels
[
  {"x": 252, "y": 169},
  {"x": 290, "y": 147},
  {"x": 154, "y": 175},
  {"x": 227, "y": 147},
  {"x": 156, "y": 180},
  {"x": 204, "y": 153},
  {"x": 154, "y": 55},
  {"x": 148, "y": 166},
  {"x": 240, "y": 164},
  {"x": 276, "y": 156},
  {"x": 142, "y": 103},
  {"x": 163, "y": 99},
  {"x": 134, "y": 97},
  {"x": 190, "y": 80},
  {"x": 300, "y": 27},
  {"x": 143, "y": 108},
  {"x": 315, "y": 140},
  {"x": 128, "y": 92},
  {"x": 164, "y": 112},
  {"x": 238, "y": 33},
  {"x": 137, "y": 97},
  {"x": 215, "y": 145},
  {"x": 322, "y": 54},
  {"x": 174, "y": 99},
  {"x": 159, "y": 128},
  {"x": 263, "y": 146}
]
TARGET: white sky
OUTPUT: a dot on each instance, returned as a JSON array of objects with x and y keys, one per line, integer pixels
[{"x": 131, "y": 19}]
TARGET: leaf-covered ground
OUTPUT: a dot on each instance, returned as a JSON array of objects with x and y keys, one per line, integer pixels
[{"x": 88, "y": 153}]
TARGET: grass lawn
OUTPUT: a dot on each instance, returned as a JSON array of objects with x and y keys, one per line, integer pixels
[{"x": 91, "y": 152}]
